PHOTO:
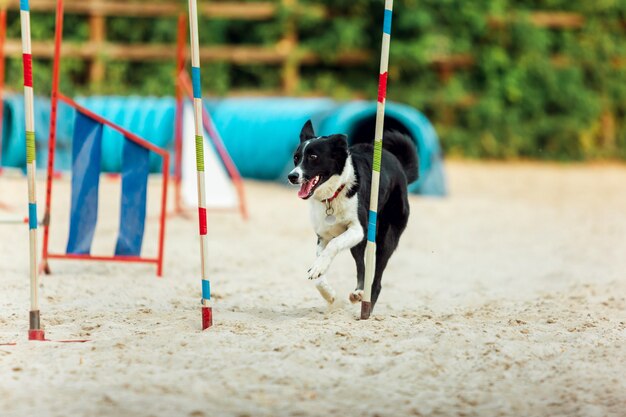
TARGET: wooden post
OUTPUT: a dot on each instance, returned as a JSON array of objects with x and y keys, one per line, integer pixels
[
  {"x": 97, "y": 36},
  {"x": 608, "y": 131},
  {"x": 291, "y": 65}
]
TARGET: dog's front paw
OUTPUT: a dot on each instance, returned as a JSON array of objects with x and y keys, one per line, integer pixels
[{"x": 319, "y": 268}]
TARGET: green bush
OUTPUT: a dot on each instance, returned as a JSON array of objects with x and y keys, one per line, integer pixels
[{"x": 531, "y": 92}]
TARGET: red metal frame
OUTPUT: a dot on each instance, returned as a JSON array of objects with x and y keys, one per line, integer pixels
[
  {"x": 184, "y": 88},
  {"x": 178, "y": 122},
  {"x": 58, "y": 37},
  {"x": 58, "y": 96},
  {"x": 138, "y": 259},
  {"x": 3, "y": 34}
]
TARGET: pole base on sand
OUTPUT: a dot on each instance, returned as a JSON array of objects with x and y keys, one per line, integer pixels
[
  {"x": 36, "y": 334},
  {"x": 44, "y": 267},
  {"x": 366, "y": 309},
  {"x": 207, "y": 317}
]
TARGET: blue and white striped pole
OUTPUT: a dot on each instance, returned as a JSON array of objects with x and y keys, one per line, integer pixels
[
  {"x": 35, "y": 331},
  {"x": 370, "y": 249}
]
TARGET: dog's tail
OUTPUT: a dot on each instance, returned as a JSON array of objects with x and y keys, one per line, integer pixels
[{"x": 403, "y": 148}]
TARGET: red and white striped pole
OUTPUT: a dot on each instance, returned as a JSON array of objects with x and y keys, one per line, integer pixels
[
  {"x": 207, "y": 313},
  {"x": 35, "y": 331},
  {"x": 370, "y": 249}
]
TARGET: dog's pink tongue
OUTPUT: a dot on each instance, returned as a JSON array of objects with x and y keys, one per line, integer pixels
[{"x": 305, "y": 189}]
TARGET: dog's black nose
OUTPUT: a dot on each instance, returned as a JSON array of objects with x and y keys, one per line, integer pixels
[{"x": 293, "y": 177}]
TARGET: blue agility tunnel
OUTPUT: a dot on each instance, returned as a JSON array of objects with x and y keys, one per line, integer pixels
[{"x": 259, "y": 133}]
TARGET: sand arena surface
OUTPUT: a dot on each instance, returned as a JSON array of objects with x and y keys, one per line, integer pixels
[{"x": 506, "y": 299}]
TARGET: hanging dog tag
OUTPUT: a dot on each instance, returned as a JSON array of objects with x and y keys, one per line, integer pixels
[{"x": 330, "y": 218}]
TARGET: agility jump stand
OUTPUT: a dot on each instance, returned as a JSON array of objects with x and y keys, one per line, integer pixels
[
  {"x": 370, "y": 249},
  {"x": 86, "y": 156},
  {"x": 184, "y": 89}
]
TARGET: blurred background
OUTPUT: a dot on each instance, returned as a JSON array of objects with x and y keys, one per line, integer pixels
[{"x": 506, "y": 79}]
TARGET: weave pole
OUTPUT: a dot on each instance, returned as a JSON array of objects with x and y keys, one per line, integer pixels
[
  {"x": 35, "y": 331},
  {"x": 370, "y": 249},
  {"x": 207, "y": 313}
]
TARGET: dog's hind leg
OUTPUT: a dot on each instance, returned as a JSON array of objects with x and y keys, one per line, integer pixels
[
  {"x": 390, "y": 228},
  {"x": 358, "y": 253},
  {"x": 389, "y": 238}
]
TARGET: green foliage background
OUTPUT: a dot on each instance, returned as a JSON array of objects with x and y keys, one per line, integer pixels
[{"x": 516, "y": 101}]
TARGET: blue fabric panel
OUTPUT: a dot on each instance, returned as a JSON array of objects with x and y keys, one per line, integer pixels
[
  {"x": 135, "y": 169},
  {"x": 86, "y": 155},
  {"x": 24, "y": 5}
]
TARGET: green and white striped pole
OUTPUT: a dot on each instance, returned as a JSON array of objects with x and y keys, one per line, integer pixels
[{"x": 370, "y": 249}]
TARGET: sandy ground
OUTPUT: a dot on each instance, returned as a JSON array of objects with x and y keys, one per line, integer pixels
[{"x": 506, "y": 299}]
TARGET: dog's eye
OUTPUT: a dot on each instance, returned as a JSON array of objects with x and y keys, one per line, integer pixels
[
  {"x": 296, "y": 158},
  {"x": 312, "y": 157}
]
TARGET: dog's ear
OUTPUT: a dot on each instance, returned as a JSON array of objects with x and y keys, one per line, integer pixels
[
  {"x": 339, "y": 150},
  {"x": 340, "y": 140},
  {"x": 340, "y": 137},
  {"x": 340, "y": 143},
  {"x": 307, "y": 131}
]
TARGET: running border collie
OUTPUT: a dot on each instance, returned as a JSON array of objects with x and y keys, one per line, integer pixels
[{"x": 336, "y": 180}]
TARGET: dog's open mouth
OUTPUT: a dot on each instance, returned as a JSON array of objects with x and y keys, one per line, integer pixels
[{"x": 308, "y": 187}]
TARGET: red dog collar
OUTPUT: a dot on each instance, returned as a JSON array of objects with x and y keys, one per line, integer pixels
[{"x": 328, "y": 200}]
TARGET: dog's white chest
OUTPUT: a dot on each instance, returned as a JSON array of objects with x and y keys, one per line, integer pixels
[{"x": 344, "y": 211}]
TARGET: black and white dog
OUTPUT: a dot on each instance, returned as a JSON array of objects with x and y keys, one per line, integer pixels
[{"x": 336, "y": 178}]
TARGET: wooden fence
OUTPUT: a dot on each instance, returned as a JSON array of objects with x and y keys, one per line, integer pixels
[{"x": 286, "y": 53}]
